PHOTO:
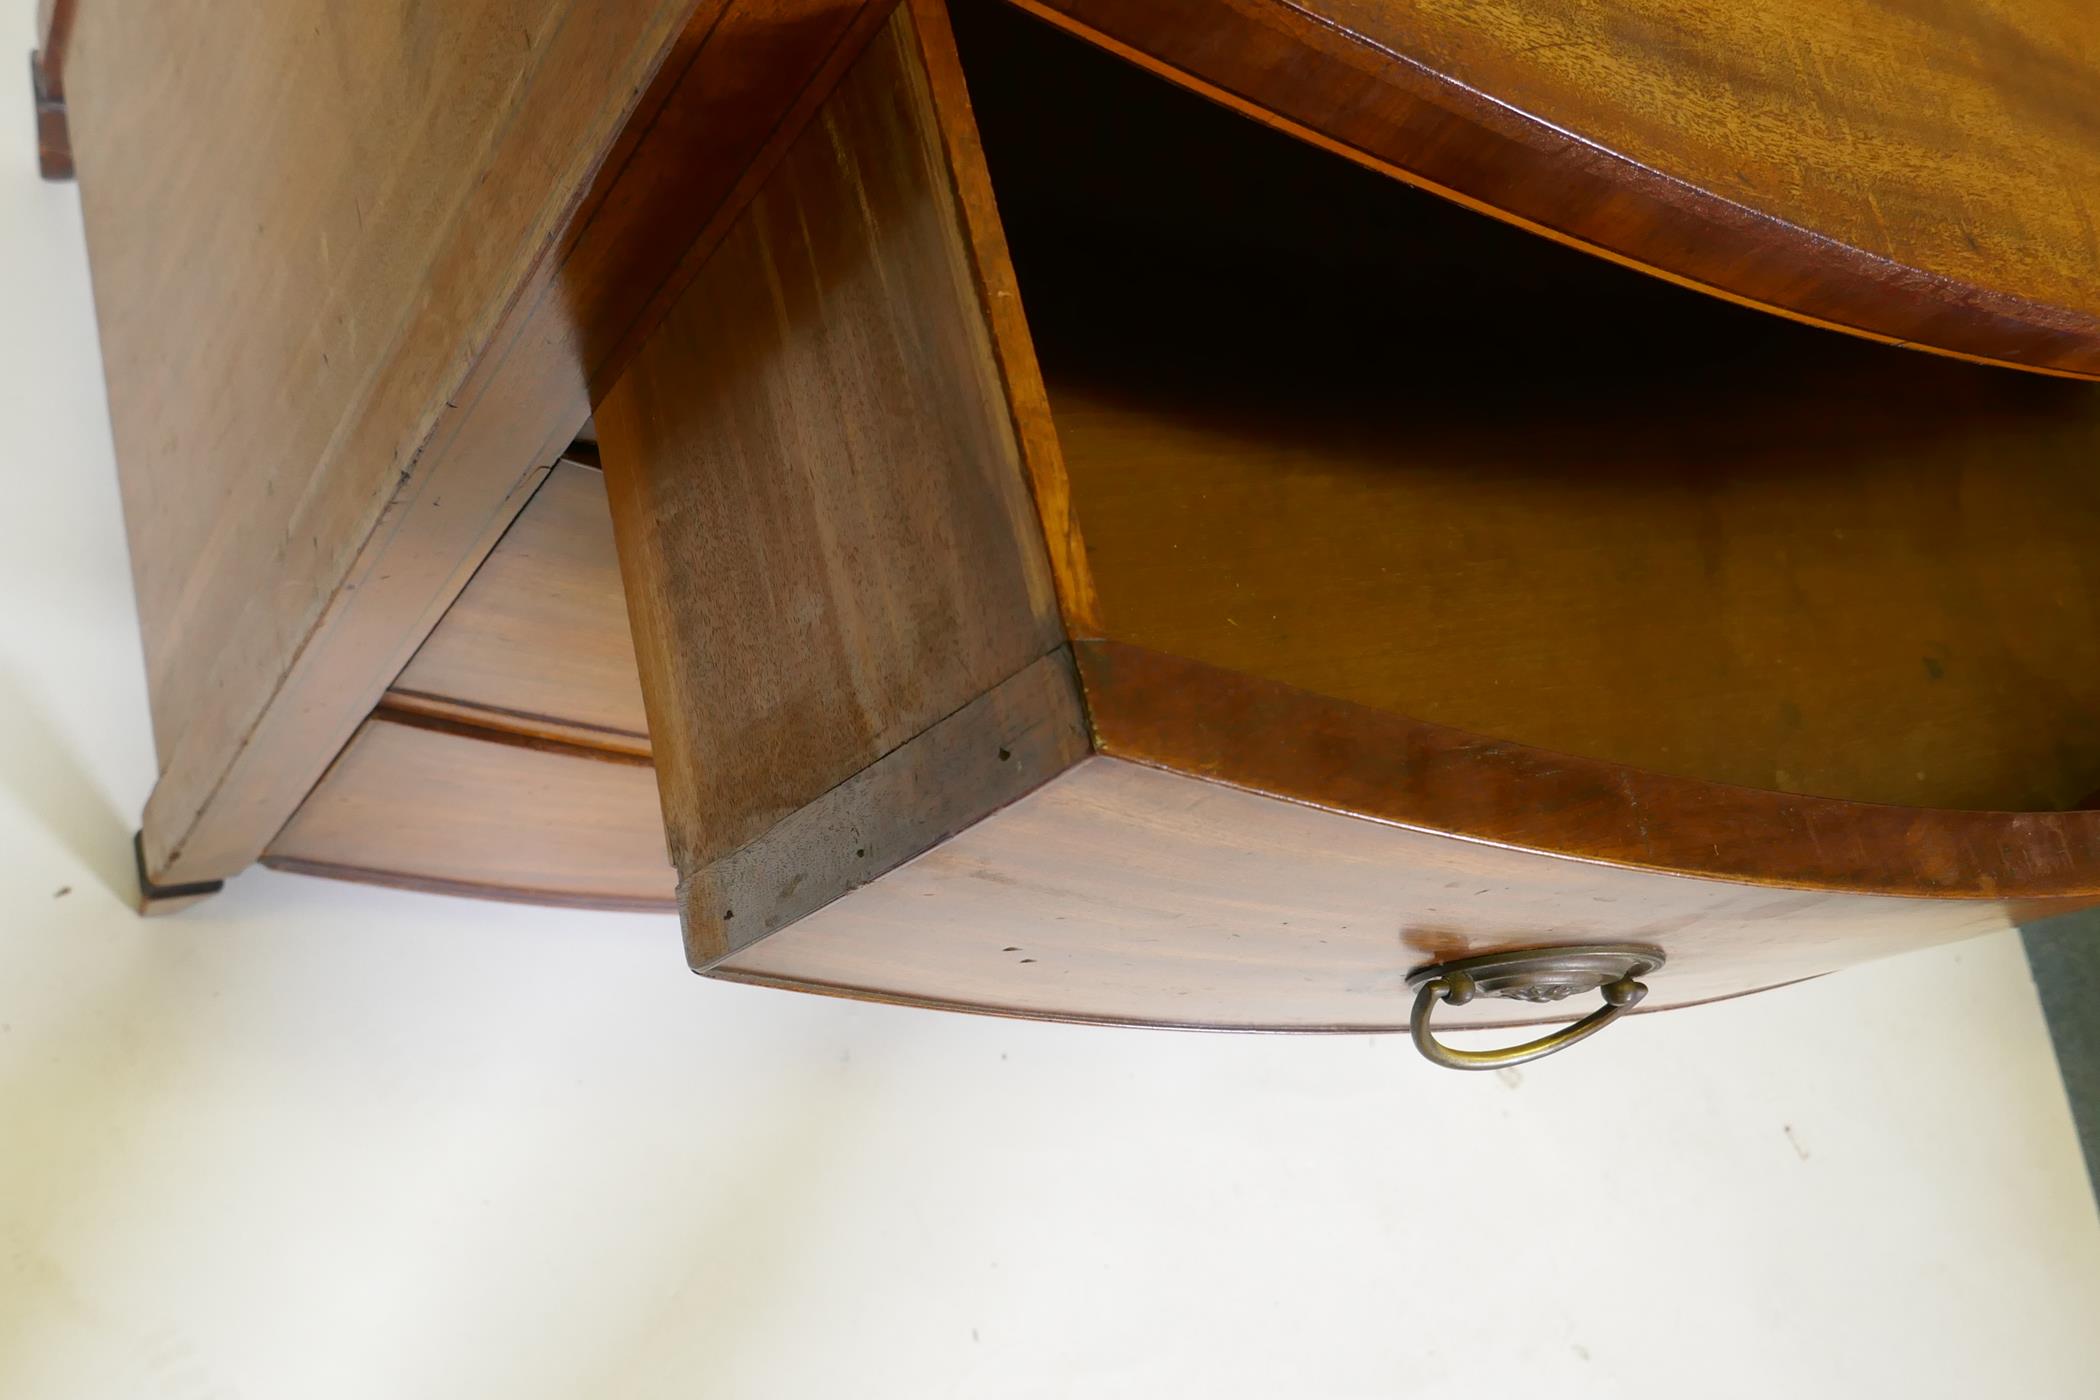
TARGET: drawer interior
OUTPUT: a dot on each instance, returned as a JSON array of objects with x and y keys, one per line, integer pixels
[{"x": 1332, "y": 431}]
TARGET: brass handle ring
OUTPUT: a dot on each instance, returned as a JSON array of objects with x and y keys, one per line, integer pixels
[{"x": 1537, "y": 975}]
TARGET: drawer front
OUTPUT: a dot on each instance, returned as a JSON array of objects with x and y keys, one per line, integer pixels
[
  {"x": 425, "y": 806},
  {"x": 1124, "y": 894},
  {"x": 538, "y": 642}
]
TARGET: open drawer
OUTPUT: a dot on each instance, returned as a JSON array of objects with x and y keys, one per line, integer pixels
[{"x": 1317, "y": 581}]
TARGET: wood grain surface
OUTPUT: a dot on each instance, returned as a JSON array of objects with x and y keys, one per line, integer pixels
[
  {"x": 1123, "y": 893},
  {"x": 1906, "y": 169},
  {"x": 1308, "y": 748},
  {"x": 301, "y": 231},
  {"x": 356, "y": 272},
  {"x": 1803, "y": 608},
  {"x": 1246, "y": 856},
  {"x": 999, "y": 747},
  {"x": 435, "y": 807},
  {"x": 1674, "y": 533},
  {"x": 538, "y": 642},
  {"x": 1012, "y": 345},
  {"x": 822, "y": 520}
]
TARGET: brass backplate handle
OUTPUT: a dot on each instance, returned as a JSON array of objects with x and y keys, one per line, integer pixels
[{"x": 1534, "y": 975}]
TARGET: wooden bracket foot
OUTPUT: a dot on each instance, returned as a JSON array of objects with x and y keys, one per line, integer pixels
[
  {"x": 166, "y": 899},
  {"x": 54, "y": 143}
]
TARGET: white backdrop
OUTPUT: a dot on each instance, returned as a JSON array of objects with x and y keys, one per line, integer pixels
[{"x": 316, "y": 1141}]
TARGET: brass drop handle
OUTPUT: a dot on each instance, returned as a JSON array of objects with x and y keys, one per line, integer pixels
[{"x": 1533, "y": 975}]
